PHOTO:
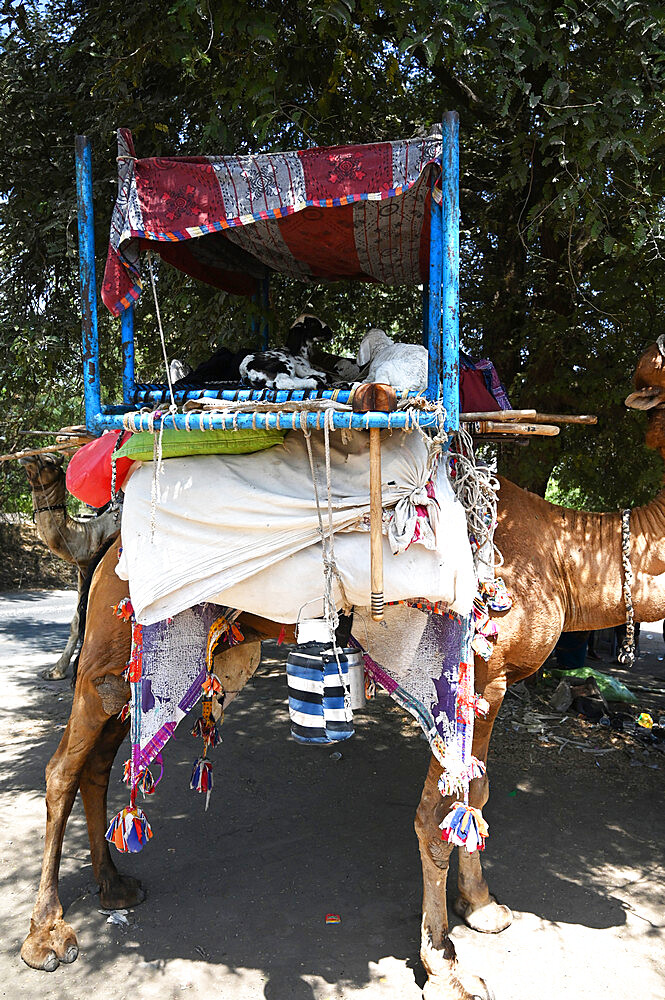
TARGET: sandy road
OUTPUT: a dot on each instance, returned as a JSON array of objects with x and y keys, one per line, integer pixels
[{"x": 238, "y": 896}]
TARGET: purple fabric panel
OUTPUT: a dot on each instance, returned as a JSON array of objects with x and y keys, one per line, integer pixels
[{"x": 173, "y": 670}]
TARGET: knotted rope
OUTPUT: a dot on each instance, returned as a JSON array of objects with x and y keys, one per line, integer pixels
[{"x": 475, "y": 486}]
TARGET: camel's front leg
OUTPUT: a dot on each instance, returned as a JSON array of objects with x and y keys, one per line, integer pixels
[
  {"x": 445, "y": 980},
  {"x": 51, "y": 940},
  {"x": 60, "y": 668}
]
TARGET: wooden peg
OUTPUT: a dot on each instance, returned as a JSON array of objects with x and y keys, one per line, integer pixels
[
  {"x": 376, "y": 524},
  {"x": 383, "y": 398}
]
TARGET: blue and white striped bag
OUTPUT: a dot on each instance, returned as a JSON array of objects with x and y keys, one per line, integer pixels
[{"x": 319, "y": 698}]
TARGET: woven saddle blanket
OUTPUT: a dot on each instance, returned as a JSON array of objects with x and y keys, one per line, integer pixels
[
  {"x": 243, "y": 530},
  {"x": 423, "y": 660}
]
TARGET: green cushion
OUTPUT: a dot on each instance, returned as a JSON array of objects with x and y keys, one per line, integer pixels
[{"x": 176, "y": 444}]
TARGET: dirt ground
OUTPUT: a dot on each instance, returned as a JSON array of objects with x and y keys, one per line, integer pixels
[
  {"x": 237, "y": 896},
  {"x": 27, "y": 563}
]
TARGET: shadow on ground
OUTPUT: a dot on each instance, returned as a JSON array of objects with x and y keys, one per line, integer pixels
[{"x": 293, "y": 834}]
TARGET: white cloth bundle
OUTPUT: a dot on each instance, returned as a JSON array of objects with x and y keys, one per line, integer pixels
[{"x": 243, "y": 531}]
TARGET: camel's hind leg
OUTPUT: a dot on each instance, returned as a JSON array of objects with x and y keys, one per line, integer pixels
[
  {"x": 115, "y": 890},
  {"x": 99, "y": 688},
  {"x": 51, "y": 940}
]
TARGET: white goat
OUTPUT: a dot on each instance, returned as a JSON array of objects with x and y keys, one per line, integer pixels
[{"x": 404, "y": 366}]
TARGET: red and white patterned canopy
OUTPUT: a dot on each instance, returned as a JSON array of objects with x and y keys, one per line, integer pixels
[{"x": 329, "y": 213}]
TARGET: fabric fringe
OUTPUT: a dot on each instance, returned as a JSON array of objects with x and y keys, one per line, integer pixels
[{"x": 456, "y": 777}]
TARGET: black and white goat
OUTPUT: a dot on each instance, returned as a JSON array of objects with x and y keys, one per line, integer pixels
[{"x": 289, "y": 368}]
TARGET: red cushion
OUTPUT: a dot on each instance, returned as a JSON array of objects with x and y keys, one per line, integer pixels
[{"x": 88, "y": 474}]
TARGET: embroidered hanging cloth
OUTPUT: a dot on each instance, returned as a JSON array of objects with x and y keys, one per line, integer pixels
[{"x": 336, "y": 212}]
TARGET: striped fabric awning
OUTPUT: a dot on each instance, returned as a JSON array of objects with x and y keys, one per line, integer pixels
[{"x": 328, "y": 213}]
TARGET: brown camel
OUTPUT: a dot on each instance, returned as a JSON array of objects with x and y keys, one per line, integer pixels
[
  {"x": 75, "y": 541},
  {"x": 564, "y": 570}
]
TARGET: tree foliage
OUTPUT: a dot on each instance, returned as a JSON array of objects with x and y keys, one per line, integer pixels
[{"x": 563, "y": 226}]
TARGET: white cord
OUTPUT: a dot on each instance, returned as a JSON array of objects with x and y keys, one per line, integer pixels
[{"x": 172, "y": 408}]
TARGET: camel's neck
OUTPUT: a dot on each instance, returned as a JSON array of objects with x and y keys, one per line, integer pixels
[
  {"x": 589, "y": 554},
  {"x": 55, "y": 527}
]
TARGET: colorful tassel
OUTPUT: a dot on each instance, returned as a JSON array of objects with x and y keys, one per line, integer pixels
[
  {"x": 464, "y": 826},
  {"x": 482, "y": 646},
  {"x": 476, "y": 769},
  {"x": 481, "y": 706},
  {"x": 211, "y": 685},
  {"x": 496, "y": 594},
  {"x": 123, "y": 715},
  {"x": 490, "y": 629},
  {"x": 201, "y": 780},
  {"x": 129, "y": 831},
  {"x": 123, "y": 609},
  {"x": 145, "y": 781},
  {"x": 208, "y": 731}
]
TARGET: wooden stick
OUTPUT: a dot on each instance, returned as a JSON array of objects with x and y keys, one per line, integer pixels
[
  {"x": 40, "y": 451},
  {"x": 376, "y": 523},
  {"x": 467, "y": 418},
  {"x": 492, "y": 427},
  {"x": 565, "y": 418},
  {"x": 52, "y": 433},
  {"x": 532, "y": 415}
]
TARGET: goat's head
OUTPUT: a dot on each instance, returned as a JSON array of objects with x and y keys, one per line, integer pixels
[
  {"x": 306, "y": 330},
  {"x": 371, "y": 344},
  {"x": 43, "y": 471}
]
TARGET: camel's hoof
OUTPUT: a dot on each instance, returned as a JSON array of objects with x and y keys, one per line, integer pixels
[
  {"x": 492, "y": 918},
  {"x": 46, "y": 948},
  {"x": 461, "y": 986},
  {"x": 121, "y": 893},
  {"x": 54, "y": 673},
  {"x": 70, "y": 955}
]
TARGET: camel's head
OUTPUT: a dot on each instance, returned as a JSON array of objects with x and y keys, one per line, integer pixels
[
  {"x": 44, "y": 470},
  {"x": 649, "y": 382}
]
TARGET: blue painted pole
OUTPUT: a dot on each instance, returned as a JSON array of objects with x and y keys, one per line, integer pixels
[
  {"x": 86, "y": 233},
  {"x": 450, "y": 276},
  {"x": 284, "y": 420},
  {"x": 434, "y": 301},
  {"x": 127, "y": 327},
  {"x": 425, "y": 315}
]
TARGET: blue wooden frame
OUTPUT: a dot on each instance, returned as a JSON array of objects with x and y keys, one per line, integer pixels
[{"x": 440, "y": 322}]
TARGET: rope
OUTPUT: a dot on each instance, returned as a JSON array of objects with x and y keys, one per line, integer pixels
[
  {"x": 157, "y": 467},
  {"x": 626, "y": 654},
  {"x": 172, "y": 408},
  {"x": 476, "y": 489}
]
